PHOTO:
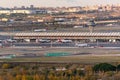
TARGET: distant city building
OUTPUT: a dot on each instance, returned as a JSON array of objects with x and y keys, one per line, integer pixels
[
  {"x": 15, "y": 7},
  {"x": 50, "y": 10},
  {"x": 5, "y": 11},
  {"x": 23, "y": 11},
  {"x": 31, "y": 6},
  {"x": 40, "y": 11},
  {"x": 4, "y": 19},
  {"x": 23, "y": 7},
  {"x": 72, "y": 10}
]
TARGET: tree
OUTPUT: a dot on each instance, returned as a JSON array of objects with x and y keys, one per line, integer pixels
[
  {"x": 29, "y": 77},
  {"x": 67, "y": 66},
  {"x": 24, "y": 77},
  {"x": 104, "y": 67},
  {"x": 36, "y": 77},
  {"x": 6, "y": 66},
  {"x": 118, "y": 67},
  {"x": 1, "y": 78},
  {"x": 9, "y": 76},
  {"x": 18, "y": 77}
]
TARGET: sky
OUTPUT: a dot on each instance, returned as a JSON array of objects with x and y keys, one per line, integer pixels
[{"x": 55, "y": 3}]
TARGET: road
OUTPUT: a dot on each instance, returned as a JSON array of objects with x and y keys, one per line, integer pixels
[
  {"x": 65, "y": 44},
  {"x": 45, "y": 44},
  {"x": 105, "y": 44},
  {"x": 97, "y": 44}
]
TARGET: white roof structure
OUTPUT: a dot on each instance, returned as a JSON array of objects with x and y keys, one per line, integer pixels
[{"x": 68, "y": 34}]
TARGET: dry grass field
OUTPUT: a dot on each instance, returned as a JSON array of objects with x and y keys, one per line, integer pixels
[{"x": 96, "y": 55}]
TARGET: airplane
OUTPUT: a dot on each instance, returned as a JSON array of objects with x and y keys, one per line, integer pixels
[
  {"x": 11, "y": 40},
  {"x": 82, "y": 45},
  {"x": 1, "y": 41},
  {"x": 64, "y": 41},
  {"x": 44, "y": 40}
]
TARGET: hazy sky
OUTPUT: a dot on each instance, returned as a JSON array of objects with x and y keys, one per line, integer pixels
[{"x": 55, "y": 3}]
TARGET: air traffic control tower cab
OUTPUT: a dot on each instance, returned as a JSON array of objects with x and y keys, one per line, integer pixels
[{"x": 91, "y": 25}]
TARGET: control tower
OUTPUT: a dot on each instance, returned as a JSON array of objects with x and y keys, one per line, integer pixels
[{"x": 91, "y": 25}]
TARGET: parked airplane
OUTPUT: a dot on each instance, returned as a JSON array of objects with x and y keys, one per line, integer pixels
[
  {"x": 11, "y": 40},
  {"x": 64, "y": 40},
  {"x": 82, "y": 45},
  {"x": 44, "y": 40},
  {"x": 1, "y": 41}
]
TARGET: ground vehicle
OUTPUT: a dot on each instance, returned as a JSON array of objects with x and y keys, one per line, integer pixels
[
  {"x": 81, "y": 45},
  {"x": 44, "y": 40},
  {"x": 64, "y": 40}
]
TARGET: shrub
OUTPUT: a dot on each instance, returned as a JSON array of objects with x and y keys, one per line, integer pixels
[{"x": 104, "y": 67}]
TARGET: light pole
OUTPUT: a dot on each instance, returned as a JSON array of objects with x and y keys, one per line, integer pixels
[{"x": 51, "y": 44}]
